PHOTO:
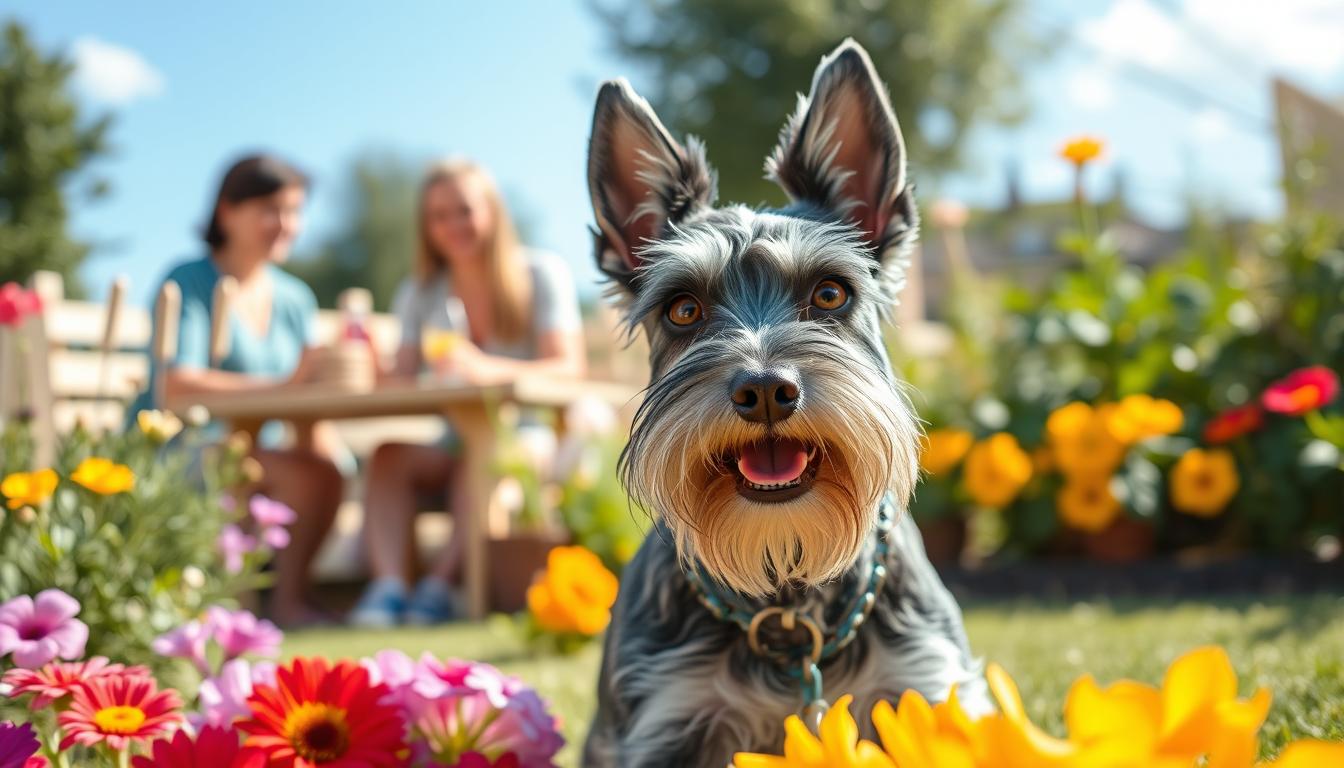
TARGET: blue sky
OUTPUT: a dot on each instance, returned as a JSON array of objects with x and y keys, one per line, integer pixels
[{"x": 1180, "y": 88}]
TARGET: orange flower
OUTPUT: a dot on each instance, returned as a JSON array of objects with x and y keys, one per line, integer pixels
[
  {"x": 1203, "y": 482},
  {"x": 103, "y": 476},
  {"x": 1086, "y": 503},
  {"x": 1139, "y": 417},
  {"x": 1082, "y": 150},
  {"x": 28, "y": 489},
  {"x": 996, "y": 470},
  {"x": 942, "y": 449},
  {"x": 574, "y": 594},
  {"x": 836, "y": 745},
  {"x": 1082, "y": 440}
]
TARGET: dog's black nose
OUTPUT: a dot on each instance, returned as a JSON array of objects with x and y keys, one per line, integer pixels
[{"x": 765, "y": 397}]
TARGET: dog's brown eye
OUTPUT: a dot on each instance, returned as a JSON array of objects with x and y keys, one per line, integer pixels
[
  {"x": 684, "y": 310},
  {"x": 829, "y": 295}
]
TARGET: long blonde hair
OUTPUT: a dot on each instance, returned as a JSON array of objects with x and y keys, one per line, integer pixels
[{"x": 509, "y": 274}]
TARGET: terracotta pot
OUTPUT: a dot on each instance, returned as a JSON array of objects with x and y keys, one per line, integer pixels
[
  {"x": 944, "y": 539},
  {"x": 1125, "y": 541},
  {"x": 514, "y": 560}
]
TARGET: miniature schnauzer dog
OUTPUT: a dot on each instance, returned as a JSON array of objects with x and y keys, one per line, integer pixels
[{"x": 774, "y": 444}]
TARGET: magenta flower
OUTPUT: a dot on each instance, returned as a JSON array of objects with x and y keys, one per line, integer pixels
[
  {"x": 456, "y": 708},
  {"x": 271, "y": 517},
  {"x": 57, "y": 680},
  {"x": 268, "y": 512},
  {"x": 224, "y": 697},
  {"x": 17, "y": 744},
  {"x": 38, "y": 630},
  {"x": 186, "y": 642},
  {"x": 233, "y": 544},
  {"x": 239, "y": 632}
]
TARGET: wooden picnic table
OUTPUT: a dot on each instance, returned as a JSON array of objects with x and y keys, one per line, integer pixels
[{"x": 469, "y": 407}]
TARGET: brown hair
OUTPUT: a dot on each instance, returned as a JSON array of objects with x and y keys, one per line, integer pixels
[
  {"x": 510, "y": 275},
  {"x": 250, "y": 177}
]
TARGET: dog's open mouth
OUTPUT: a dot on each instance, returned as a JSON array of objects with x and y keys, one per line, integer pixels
[{"x": 774, "y": 469}]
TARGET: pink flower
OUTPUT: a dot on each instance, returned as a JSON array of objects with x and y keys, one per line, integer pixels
[
  {"x": 17, "y": 303},
  {"x": 455, "y": 708},
  {"x": 272, "y": 516},
  {"x": 57, "y": 680},
  {"x": 239, "y": 632},
  {"x": 37, "y": 631},
  {"x": 233, "y": 544},
  {"x": 436, "y": 679},
  {"x": 1303, "y": 390},
  {"x": 186, "y": 642},
  {"x": 119, "y": 710},
  {"x": 268, "y": 512},
  {"x": 17, "y": 742},
  {"x": 224, "y": 697}
]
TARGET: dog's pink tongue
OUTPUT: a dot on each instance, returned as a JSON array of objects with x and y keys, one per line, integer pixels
[{"x": 770, "y": 462}]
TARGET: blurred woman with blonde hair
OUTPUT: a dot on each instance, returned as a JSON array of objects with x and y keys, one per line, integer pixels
[{"x": 501, "y": 310}]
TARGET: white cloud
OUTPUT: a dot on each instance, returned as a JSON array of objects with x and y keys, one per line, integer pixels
[
  {"x": 1135, "y": 31},
  {"x": 1301, "y": 36},
  {"x": 1210, "y": 124},
  {"x": 1090, "y": 88},
  {"x": 110, "y": 74},
  {"x": 1206, "y": 37}
]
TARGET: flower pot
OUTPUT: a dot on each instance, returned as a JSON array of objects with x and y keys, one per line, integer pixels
[
  {"x": 1124, "y": 541},
  {"x": 944, "y": 539},
  {"x": 514, "y": 560}
]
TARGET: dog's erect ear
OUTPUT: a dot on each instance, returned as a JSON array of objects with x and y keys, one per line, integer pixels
[
  {"x": 842, "y": 150},
  {"x": 641, "y": 180}
]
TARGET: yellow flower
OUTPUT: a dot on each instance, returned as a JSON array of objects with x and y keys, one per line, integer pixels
[
  {"x": 1082, "y": 441},
  {"x": 1310, "y": 754},
  {"x": 1204, "y": 481},
  {"x": 103, "y": 476},
  {"x": 574, "y": 594},
  {"x": 1086, "y": 503},
  {"x": 28, "y": 489},
  {"x": 996, "y": 470},
  {"x": 1139, "y": 417},
  {"x": 1195, "y": 715},
  {"x": 1081, "y": 150},
  {"x": 942, "y": 449},
  {"x": 159, "y": 426},
  {"x": 836, "y": 745}
]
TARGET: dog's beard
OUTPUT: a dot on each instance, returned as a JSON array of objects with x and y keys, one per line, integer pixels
[{"x": 680, "y": 464}]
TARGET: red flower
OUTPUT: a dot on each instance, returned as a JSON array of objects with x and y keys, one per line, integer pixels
[
  {"x": 117, "y": 710},
  {"x": 1233, "y": 423},
  {"x": 477, "y": 760},
  {"x": 320, "y": 714},
  {"x": 59, "y": 679},
  {"x": 16, "y": 304},
  {"x": 213, "y": 747},
  {"x": 1305, "y": 389}
]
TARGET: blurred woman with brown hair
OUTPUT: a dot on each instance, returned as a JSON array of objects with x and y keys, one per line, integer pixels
[{"x": 486, "y": 309}]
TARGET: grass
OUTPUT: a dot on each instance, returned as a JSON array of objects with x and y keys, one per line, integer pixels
[{"x": 1294, "y": 646}]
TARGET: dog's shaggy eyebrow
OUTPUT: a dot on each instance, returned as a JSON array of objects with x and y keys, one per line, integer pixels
[
  {"x": 809, "y": 250},
  {"x": 692, "y": 260}
]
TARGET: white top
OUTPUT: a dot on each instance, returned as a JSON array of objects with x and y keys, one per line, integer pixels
[{"x": 555, "y": 305}]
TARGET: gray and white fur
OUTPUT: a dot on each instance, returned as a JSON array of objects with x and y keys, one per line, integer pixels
[{"x": 678, "y": 686}]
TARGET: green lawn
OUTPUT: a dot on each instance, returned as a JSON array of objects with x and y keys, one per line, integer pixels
[{"x": 1295, "y": 646}]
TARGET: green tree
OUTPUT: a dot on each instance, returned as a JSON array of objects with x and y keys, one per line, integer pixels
[
  {"x": 728, "y": 70},
  {"x": 374, "y": 248},
  {"x": 375, "y": 245},
  {"x": 44, "y": 144}
]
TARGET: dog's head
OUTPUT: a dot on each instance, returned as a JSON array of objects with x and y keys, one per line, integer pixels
[{"x": 772, "y": 425}]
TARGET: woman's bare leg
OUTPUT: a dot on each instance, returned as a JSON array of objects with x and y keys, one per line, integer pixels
[
  {"x": 312, "y": 486},
  {"x": 398, "y": 474}
]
